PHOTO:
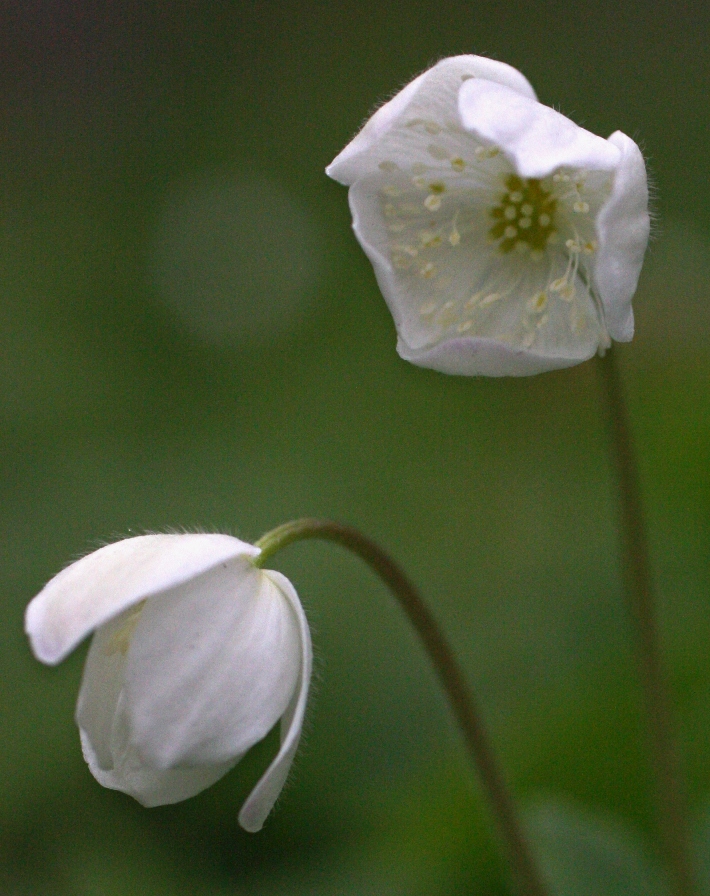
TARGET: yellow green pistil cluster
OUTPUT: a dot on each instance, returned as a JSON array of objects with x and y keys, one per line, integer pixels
[{"x": 525, "y": 217}]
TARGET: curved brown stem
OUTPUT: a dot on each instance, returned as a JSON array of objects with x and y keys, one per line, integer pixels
[
  {"x": 450, "y": 675},
  {"x": 673, "y": 813}
]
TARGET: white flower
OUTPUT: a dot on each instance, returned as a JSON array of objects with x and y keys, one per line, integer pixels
[
  {"x": 505, "y": 238},
  {"x": 196, "y": 654}
]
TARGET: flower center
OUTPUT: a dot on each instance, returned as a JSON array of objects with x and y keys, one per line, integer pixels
[{"x": 525, "y": 216}]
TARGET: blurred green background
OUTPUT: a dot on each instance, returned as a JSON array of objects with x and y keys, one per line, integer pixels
[{"x": 191, "y": 337}]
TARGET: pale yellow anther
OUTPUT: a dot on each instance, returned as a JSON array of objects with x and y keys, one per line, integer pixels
[
  {"x": 524, "y": 223},
  {"x": 428, "y": 309},
  {"x": 517, "y": 196},
  {"x": 490, "y": 299},
  {"x": 537, "y": 303},
  {"x": 471, "y": 303},
  {"x": 447, "y": 315},
  {"x": 559, "y": 284},
  {"x": 483, "y": 152},
  {"x": 464, "y": 326},
  {"x": 427, "y": 270},
  {"x": 581, "y": 208},
  {"x": 433, "y": 202},
  {"x": 544, "y": 220},
  {"x": 590, "y": 247},
  {"x": 454, "y": 237},
  {"x": 573, "y": 246},
  {"x": 510, "y": 232},
  {"x": 526, "y": 209},
  {"x": 419, "y": 181},
  {"x": 543, "y": 320},
  {"x": 511, "y": 213},
  {"x": 568, "y": 292},
  {"x": 458, "y": 164}
]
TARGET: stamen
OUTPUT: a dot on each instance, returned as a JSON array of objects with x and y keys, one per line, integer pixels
[
  {"x": 537, "y": 302},
  {"x": 524, "y": 215},
  {"x": 447, "y": 315}
]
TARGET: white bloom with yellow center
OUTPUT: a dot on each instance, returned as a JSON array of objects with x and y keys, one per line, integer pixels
[
  {"x": 506, "y": 239},
  {"x": 196, "y": 654}
]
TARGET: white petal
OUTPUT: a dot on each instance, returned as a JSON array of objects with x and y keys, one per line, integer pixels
[
  {"x": 105, "y": 731},
  {"x": 262, "y": 798},
  {"x": 623, "y": 226},
  {"x": 152, "y": 787},
  {"x": 103, "y": 584},
  {"x": 211, "y": 667},
  {"x": 489, "y": 357},
  {"x": 534, "y": 137},
  {"x": 102, "y": 683},
  {"x": 430, "y": 98},
  {"x": 510, "y": 340}
]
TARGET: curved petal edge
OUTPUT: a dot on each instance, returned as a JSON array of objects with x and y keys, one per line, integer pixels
[
  {"x": 255, "y": 810},
  {"x": 102, "y": 584}
]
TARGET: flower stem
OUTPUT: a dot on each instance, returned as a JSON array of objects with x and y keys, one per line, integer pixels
[
  {"x": 672, "y": 808},
  {"x": 448, "y": 670}
]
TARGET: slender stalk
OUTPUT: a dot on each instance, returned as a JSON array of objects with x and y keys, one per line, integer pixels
[
  {"x": 448, "y": 670},
  {"x": 672, "y": 809}
]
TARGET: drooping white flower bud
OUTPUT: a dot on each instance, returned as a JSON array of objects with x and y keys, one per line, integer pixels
[
  {"x": 506, "y": 240},
  {"x": 196, "y": 654}
]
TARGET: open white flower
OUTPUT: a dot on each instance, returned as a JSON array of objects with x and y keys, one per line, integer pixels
[
  {"x": 196, "y": 654},
  {"x": 506, "y": 239}
]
